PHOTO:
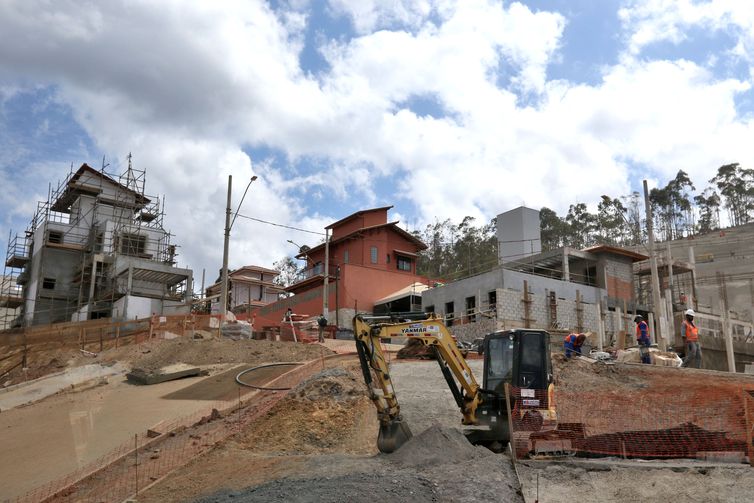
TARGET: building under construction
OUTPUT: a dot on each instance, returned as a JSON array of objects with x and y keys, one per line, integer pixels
[{"x": 96, "y": 248}]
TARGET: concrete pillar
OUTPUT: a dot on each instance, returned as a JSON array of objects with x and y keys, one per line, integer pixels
[
  {"x": 727, "y": 333},
  {"x": 566, "y": 267},
  {"x": 600, "y": 325},
  {"x": 93, "y": 282},
  {"x": 651, "y": 327},
  {"x": 671, "y": 319}
]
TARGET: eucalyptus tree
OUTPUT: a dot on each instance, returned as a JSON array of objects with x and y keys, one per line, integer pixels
[
  {"x": 736, "y": 185},
  {"x": 708, "y": 205}
]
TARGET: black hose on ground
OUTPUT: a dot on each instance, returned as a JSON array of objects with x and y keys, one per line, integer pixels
[{"x": 239, "y": 381}]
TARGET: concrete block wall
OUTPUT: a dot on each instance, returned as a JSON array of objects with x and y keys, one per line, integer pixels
[
  {"x": 470, "y": 331},
  {"x": 511, "y": 313}
]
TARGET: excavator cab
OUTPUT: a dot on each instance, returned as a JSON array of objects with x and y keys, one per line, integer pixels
[{"x": 520, "y": 358}]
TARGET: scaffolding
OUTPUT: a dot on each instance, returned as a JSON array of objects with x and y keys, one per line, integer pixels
[{"x": 92, "y": 220}]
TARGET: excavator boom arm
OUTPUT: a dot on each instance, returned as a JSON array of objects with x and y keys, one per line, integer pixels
[{"x": 430, "y": 332}]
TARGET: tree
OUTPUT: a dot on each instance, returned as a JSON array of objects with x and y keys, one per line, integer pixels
[
  {"x": 289, "y": 271},
  {"x": 457, "y": 250},
  {"x": 708, "y": 203},
  {"x": 611, "y": 221},
  {"x": 581, "y": 226},
  {"x": 678, "y": 191},
  {"x": 634, "y": 210},
  {"x": 736, "y": 184},
  {"x": 553, "y": 229},
  {"x": 659, "y": 199}
]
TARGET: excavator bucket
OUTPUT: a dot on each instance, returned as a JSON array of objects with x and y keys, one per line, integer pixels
[{"x": 393, "y": 435}]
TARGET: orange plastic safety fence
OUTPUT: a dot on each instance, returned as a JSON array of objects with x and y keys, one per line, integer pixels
[{"x": 693, "y": 422}]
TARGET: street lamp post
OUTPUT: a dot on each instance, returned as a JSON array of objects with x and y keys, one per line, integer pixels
[{"x": 226, "y": 243}]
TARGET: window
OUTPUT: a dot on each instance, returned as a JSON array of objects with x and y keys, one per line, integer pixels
[
  {"x": 429, "y": 309},
  {"x": 492, "y": 300},
  {"x": 48, "y": 283},
  {"x": 373, "y": 254},
  {"x": 404, "y": 264},
  {"x": 55, "y": 237},
  {"x": 449, "y": 308},
  {"x": 471, "y": 308},
  {"x": 387, "y": 258},
  {"x": 345, "y": 257},
  {"x": 132, "y": 244}
]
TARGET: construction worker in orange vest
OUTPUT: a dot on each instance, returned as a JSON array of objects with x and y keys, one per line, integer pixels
[
  {"x": 642, "y": 338},
  {"x": 690, "y": 334},
  {"x": 572, "y": 344}
]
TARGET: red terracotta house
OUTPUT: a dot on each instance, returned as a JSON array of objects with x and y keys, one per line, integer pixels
[{"x": 369, "y": 257}]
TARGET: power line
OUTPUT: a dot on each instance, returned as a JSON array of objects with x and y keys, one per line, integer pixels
[{"x": 280, "y": 225}]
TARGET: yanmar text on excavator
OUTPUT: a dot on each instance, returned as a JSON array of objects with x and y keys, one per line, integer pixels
[{"x": 519, "y": 358}]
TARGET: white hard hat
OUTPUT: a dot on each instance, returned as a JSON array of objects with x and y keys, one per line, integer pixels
[{"x": 690, "y": 312}]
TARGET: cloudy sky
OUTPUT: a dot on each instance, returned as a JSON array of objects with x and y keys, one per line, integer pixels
[{"x": 441, "y": 108}]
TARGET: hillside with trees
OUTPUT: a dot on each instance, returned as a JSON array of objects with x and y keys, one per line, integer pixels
[{"x": 679, "y": 210}]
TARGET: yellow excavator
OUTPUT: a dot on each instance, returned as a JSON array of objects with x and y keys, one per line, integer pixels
[{"x": 519, "y": 358}]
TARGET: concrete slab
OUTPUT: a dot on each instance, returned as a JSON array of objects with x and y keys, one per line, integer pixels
[{"x": 164, "y": 374}]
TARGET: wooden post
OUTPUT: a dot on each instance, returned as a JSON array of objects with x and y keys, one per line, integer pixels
[
  {"x": 579, "y": 313},
  {"x": 527, "y": 306},
  {"x": 117, "y": 334},
  {"x": 101, "y": 347},
  {"x": 745, "y": 396},
  {"x": 510, "y": 422}
]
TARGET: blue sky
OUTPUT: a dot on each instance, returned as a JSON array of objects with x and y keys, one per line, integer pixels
[{"x": 442, "y": 109}]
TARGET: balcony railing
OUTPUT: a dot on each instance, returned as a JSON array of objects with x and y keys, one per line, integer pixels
[{"x": 317, "y": 270}]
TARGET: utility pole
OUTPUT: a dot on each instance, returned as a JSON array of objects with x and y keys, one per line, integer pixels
[
  {"x": 228, "y": 225},
  {"x": 656, "y": 302},
  {"x": 224, "y": 278},
  {"x": 327, "y": 273}
]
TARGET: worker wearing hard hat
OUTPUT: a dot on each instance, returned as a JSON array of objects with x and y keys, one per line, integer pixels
[
  {"x": 690, "y": 334},
  {"x": 642, "y": 338},
  {"x": 572, "y": 344}
]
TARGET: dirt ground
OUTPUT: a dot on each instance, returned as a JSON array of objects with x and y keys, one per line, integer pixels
[
  {"x": 295, "y": 463},
  {"x": 155, "y": 353},
  {"x": 613, "y": 481},
  {"x": 319, "y": 444}
]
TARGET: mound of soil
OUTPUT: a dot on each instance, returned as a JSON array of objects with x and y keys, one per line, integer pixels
[
  {"x": 329, "y": 412},
  {"x": 414, "y": 349},
  {"x": 621, "y": 397},
  {"x": 459, "y": 472},
  {"x": 212, "y": 351},
  {"x": 437, "y": 445}
]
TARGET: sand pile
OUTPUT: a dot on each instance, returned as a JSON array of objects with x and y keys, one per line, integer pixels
[{"x": 329, "y": 412}]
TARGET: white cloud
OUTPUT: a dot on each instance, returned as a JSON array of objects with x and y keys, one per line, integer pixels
[
  {"x": 188, "y": 87},
  {"x": 369, "y": 15},
  {"x": 651, "y": 21}
]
